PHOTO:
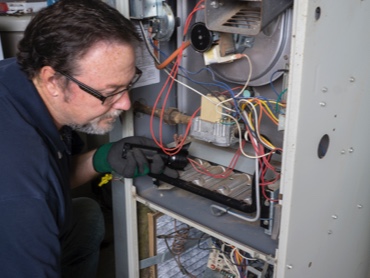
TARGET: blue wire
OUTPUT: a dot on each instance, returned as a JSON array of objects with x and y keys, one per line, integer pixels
[
  {"x": 187, "y": 72},
  {"x": 218, "y": 83}
]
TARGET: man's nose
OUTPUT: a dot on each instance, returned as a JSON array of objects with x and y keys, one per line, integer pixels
[{"x": 123, "y": 103}]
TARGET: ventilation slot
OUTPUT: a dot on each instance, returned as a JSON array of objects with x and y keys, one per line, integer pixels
[{"x": 246, "y": 19}]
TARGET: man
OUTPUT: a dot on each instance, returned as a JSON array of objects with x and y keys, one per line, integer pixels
[{"x": 43, "y": 96}]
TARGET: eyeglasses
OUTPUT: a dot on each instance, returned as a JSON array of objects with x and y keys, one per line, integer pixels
[{"x": 111, "y": 98}]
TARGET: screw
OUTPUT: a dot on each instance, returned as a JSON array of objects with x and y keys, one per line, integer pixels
[
  {"x": 334, "y": 216},
  {"x": 359, "y": 206},
  {"x": 352, "y": 79},
  {"x": 324, "y": 89},
  {"x": 214, "y": 4},
  {"x": 289, "y": 266},
  {"x": 351, "y": 150},
  {"x": 60, "y": 155},
  {"x": 342, "y": 152},
  {"x": 322, "y": 104}
]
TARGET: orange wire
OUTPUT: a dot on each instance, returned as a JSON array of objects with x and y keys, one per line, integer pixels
[
  {"x": 173, "y": 73},
  {"x": 173, "y": 55},
  {"x": 188, "y": 19}
]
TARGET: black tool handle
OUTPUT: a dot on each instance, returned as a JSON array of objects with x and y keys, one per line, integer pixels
[{"x": 177, "y": 161}]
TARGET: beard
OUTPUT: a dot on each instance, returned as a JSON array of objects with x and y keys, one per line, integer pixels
[{"x": 97, "y": 126}]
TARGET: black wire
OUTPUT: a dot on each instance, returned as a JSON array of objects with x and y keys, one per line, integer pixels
[{"x": 169, "y": 69}]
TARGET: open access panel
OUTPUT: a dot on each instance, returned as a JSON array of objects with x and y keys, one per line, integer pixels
[{"x": 272, "y": 96}]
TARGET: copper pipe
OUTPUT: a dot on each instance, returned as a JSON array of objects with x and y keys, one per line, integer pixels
[{"x": 171, "y": 115}]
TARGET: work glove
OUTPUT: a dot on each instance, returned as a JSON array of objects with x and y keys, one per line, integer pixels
[{"x": 109, "y": 157}]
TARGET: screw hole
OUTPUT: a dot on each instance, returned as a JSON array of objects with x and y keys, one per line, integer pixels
[
  {"x": 317, "y": 13},
  {"x": 323, "y": 146}
]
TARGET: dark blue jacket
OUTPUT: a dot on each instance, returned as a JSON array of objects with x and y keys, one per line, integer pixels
[{"x": 34, "y": 180}]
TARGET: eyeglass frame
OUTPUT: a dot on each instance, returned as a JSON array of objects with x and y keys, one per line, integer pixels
[{"x": 96, "y": 93}]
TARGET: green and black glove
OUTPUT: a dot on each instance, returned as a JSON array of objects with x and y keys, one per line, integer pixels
[{"x": 108, "y": 158}]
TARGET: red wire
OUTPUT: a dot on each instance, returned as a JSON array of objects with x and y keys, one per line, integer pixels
[
  {"x": 169, "y": 83},
  {"x": 229, "y": 170},
  {"x": 164, "y": 104},
  {"x": 188, "y": 19},
  {"x": 264, "y": 166},
  {"x": 153, "y": 111}
]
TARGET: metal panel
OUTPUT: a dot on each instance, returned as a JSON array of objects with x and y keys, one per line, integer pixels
[
  {"x": 243, "y": 17},
  {"x": 144, "y": 8},
  {"x": 124, "y": 212},
  {"x": 326, "y": 210},
  {"x": 325, "y": 229},
  {"x": 195, "y": 211}
]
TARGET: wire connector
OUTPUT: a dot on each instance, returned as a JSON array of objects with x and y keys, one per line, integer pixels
[
  {"x": 105, "y": 179},
  {"x": 213, "y": 56}
]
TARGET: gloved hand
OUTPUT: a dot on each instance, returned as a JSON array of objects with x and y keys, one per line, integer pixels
[{"x": 109, "y": 158}]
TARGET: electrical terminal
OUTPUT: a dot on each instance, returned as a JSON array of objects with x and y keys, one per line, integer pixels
[
  {"x": 213, "y": 56},
  {"x": 217, "y": 263}
]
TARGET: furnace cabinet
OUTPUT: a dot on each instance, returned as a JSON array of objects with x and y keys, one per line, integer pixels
[{"x": 315, "y": 56}]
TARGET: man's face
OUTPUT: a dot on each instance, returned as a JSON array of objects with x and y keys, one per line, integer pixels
[{"x": 107, "y": 68}]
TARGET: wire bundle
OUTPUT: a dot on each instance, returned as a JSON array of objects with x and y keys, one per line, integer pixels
[{"x": 246, "y": 113}]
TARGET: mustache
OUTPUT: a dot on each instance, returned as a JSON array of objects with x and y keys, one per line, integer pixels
[{"x": 112, "y": 114}]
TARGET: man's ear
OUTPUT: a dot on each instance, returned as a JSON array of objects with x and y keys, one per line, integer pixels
[{"x": 49, "y": 80}]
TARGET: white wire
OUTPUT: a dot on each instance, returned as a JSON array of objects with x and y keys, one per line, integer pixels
[
  {"x": 147, "y": 42},
  {"x": 249, "y": 75},
  {"x": 217, "y": 103},
  {"x": 221, "y": 103},
  {"x": 258, "y": 209},
  {"x": 233, "y": 268},
  {"x": 245, "y": 85},
  {"x": 169, "y": 74},
  {"x": 190, "y": 88},
  {"x": 256, "y": 127},
  {"x": 236, "y": 249},
  {"x": 241, "y": 139}
]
